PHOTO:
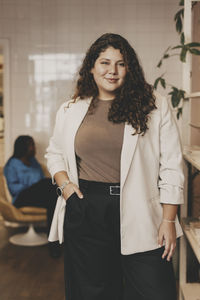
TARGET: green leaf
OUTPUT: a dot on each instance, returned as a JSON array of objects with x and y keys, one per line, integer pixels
[
  {"x": 156, "y": 83},
  {"x": 163, "y": 83},
  {"x": 182, "y": 38},
  {"x": 179, "y": 14},
  {"x": 179, "y": 112},
  {"x": 179, "y": 25},
  {"x": 194, "y": 44},
  {"x": 159, "y": 64},
  {"x": 176, "y": 96},
  {"x": 175, "y": 100},
  {"x": 195, "y": 51},
  {"x": 166, "y": 55},
  {"x": 174, "y": 90},
  {"x": 178, "y": 20},
  {"x": 183, "y": 54}
]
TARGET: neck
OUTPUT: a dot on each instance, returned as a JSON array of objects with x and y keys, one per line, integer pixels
[{"x": 106, "y": 97}]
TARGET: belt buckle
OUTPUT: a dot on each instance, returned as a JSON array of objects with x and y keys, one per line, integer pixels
[{"x": 114, "y": 190}]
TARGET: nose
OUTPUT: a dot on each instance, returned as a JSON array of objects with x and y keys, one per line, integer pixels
[{"x": 113, "y": 69}]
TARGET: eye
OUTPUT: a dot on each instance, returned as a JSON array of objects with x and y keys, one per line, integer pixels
[
  {"x": 122, "y": 64},
  {"x": 104, "y": 62}
]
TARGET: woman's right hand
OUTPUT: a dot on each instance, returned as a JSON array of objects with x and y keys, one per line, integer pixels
[{"x": 71, "y": 188}]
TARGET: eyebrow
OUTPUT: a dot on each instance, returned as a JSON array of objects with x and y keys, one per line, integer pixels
[{"x": 109, "y": 59}]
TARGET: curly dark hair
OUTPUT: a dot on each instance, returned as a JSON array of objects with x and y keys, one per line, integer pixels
[{"x": 134, "y": 99}]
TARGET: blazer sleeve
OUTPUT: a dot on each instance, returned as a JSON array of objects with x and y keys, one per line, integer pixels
[
  {"x": 171, "y": 178},
  {"x": 54, "y": 153}
]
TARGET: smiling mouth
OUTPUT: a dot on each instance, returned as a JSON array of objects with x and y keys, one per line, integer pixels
[{"x": 111, "y": 80}]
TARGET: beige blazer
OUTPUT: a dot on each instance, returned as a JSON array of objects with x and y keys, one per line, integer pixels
[{"x": 151, "y": 173}]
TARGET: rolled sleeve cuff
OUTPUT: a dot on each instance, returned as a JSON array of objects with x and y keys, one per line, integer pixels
[
  {"x": 171, "y": 195},
  {"x": 55, "y": 169}
]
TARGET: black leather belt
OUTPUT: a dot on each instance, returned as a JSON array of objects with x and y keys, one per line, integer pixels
[{"x": 100, "y": 187}]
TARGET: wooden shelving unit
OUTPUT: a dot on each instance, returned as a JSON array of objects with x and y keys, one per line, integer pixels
[
  {"x": 191, "y": 239},
  {"x": 191, "y": 138},
  {"x": 191, "y": 291}
]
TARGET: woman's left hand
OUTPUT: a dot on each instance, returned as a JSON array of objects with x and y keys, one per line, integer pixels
[{"x": 167, "y": 233}]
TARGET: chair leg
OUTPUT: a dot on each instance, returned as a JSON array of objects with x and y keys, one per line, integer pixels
[{"x": 30, "y": 238}]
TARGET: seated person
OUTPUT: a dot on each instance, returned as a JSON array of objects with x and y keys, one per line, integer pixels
[{"x": 27, "y": 183}]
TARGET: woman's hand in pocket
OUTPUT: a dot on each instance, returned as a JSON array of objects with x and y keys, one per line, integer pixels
[{"x": 71, "y": 188}]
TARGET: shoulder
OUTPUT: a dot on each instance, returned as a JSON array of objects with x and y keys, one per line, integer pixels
[
  {"x": 71, "y": 104},
  {"x": 12, "y": 163},
  {"x": 162, "y": 105}
]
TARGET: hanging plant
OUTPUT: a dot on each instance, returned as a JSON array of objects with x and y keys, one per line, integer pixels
[{"x": 177, "y": 96}]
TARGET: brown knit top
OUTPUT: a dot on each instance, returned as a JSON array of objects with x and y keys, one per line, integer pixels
[{"x": 98, "y": 145}]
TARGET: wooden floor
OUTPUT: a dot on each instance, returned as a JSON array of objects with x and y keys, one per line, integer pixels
[{"x": 28, "y": 273}]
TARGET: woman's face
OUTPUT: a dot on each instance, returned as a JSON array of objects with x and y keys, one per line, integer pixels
[{"x": 109, "y": 72}]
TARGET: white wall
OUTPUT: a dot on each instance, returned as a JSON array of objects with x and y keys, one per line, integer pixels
[{"x": 48, "y": 39}]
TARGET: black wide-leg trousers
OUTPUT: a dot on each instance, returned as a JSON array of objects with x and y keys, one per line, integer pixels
[{"x": 94, "y": 267}]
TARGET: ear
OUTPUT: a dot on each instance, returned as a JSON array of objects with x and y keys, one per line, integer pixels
[{"x": 92, "y": 71}]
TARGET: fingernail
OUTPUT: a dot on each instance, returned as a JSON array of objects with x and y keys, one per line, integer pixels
[
  {"x": 81, "y": 196},
  {"x": 159, "y": 245}
]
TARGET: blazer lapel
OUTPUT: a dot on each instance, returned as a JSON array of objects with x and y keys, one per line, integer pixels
[
  {"x": 128, "y": 149},
  {"x": 74, "y": 120}
]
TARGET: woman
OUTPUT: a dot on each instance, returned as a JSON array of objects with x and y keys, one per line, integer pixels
[
  {"x": 27, "y": 184},
  {"x": 116, "y": 157}
]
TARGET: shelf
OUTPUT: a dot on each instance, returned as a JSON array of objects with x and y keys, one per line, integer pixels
[
  {"x": 191, "y": 291},
  {"x": 193, "y": 157},
  {"x": 191, "y": 238},
  {"x": 195, "y": 125},
  {"x": 189, "y": 148},
  {"x": 193, "y": 95}
]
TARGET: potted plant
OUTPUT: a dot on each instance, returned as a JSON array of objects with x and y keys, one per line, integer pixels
[{"x": 177, "y": 95}]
